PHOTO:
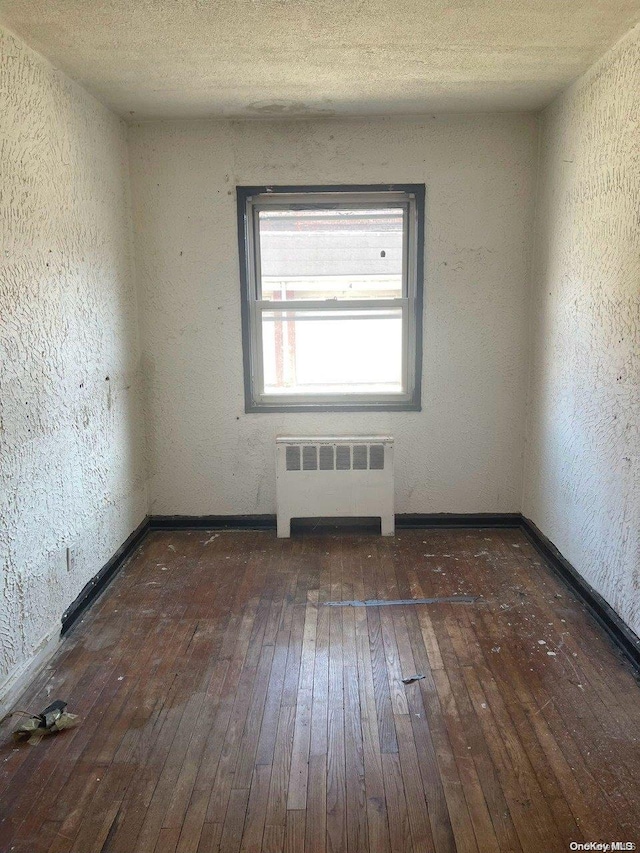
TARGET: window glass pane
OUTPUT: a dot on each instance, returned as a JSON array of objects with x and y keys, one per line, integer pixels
[
  {"x": 331, "y": 254},
  {"x": 332, "y": 352}
]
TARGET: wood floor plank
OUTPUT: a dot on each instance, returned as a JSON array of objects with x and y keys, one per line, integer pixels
[
  {"x": 299, "y": 766},
  {"x": 356, "y": 795},
  {"x": 316, "y": 820},
  {"x": 256, "y": 810},
  {"x": 298, "y": 773},
  {"x": 294, "y": 838},
  {"x": 279, "y": 785},
  {"x": 384, "y": 707},
  {"x": 273, "y": 839},
  {"x": 273, "y": 699},
  {"x": 234, "y": 820},
  {"x": 336, "y": 800},
  {"x": 335, "y": 794},
  {"x": 319, "y": 721},
  {"x": 400, "y": 838},
  {"x": 210, "y": 838},
  {"x": 377, "y": 821},
  {"x": 417, "y": 808},
  {"x": 253, "y": 723}
]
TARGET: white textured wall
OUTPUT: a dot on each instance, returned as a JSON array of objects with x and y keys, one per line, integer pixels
[
  {"x": 583, "y": 467},
  {"x": 71, "y": 453},
  {"x": 463, "y": 452}
]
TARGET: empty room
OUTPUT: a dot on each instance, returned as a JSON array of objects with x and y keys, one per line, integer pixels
[{"x": 319, "y": 426}]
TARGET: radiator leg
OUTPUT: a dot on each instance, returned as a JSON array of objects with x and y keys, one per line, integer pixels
[
  {"x": 387, "y": 525},
  {"x": 284, "y": 527}
]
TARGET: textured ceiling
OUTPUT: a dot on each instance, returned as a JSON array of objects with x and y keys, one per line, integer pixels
[{"x": 199, "y": 58}]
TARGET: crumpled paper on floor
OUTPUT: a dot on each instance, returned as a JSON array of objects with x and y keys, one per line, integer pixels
[{"x": 53, "y": 719}]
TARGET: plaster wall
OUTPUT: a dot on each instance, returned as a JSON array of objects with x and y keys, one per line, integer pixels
[
  {"x": 463, "y": 452},
  {"x": 71, "y": 441},
  {"x": 582, "y": 480}
]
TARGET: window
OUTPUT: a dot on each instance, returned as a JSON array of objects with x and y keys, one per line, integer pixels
[{"x": 331, "y": 297}]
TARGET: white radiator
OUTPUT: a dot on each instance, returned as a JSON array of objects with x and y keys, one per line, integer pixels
[{"x": 333, "y": 476}]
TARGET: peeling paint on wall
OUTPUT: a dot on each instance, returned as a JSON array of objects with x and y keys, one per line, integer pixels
[
  {"x": 71, "y": 456},
  {"x": 583, "y": 450}
]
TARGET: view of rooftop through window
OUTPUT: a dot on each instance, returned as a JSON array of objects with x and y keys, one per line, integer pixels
[
  {"x": 341, "y": 255},
  {"x": 331, "y": 254}
]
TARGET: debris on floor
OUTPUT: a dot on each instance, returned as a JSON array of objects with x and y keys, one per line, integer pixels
[
  {"x": 411, "y": 678},
  {"x": 50, "y": 721}
]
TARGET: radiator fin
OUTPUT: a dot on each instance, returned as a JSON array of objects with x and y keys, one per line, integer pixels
[
  {"x": 359, "y": 457},
  {"x": 309, "y": 457},
  {"x": 343, "y": 457},
  {"x": 326, "y": 457},
  {"x": 376, "y": 457},
  {"x": 293, "y": 457}
]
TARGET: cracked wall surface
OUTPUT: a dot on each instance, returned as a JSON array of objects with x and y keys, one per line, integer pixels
[
  {"x": 71, "y": 431},
  {"x": 463, "y": 452},
  {"x": 582, "y": 480}
]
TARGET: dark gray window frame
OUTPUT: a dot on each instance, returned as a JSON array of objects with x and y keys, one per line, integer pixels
[{"x": 244, "y": 196}]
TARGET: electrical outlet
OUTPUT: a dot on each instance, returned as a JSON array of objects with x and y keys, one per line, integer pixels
[{"x": 71, "y": 559}]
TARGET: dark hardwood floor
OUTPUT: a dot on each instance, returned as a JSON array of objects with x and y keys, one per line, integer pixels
[{"x": 224, "y": 707}]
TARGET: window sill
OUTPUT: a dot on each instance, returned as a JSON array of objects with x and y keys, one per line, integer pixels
[{"x": 252, "y": 407}]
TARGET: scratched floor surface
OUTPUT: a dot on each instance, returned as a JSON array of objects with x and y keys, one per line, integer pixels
[{"x": 226, "y": 708}]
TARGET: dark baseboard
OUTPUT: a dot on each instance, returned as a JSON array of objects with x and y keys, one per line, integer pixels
[
  {"x": 212, "y": 522},
  {"x": 103, "y": 578},
  {"x": 454, "y": 519},
  {"x": 623, "y": 637},
  {"x": 268, "y": 522}
]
